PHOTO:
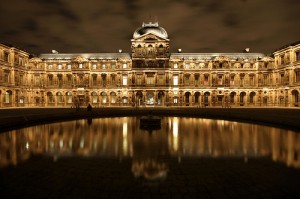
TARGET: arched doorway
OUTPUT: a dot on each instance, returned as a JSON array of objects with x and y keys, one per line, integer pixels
[
  {"x": 69, "y": 97},
  {"x": 139, "y": 98},
  {"x": 59, "y": 98},
  {"x": 265, "y": 101},
  {"x": 94, "y": 97},
  {"x": 160, "y": 98},
  {"x": 113, "y": 97},
  {"x": 206, "y": 99},
  {"x": 103, "y": 98},
  {"x": 232, "y": 98},
  {"x": 197, "y": 98},
  {"x": 252, "y": 98},
  {"x": 295, "y": 95},
  {"x": 50, "y": 99},
  {"x": 187, "y": 98},
  {"x": 150, "y": 98},
  {"x": 242, "y": 98}
]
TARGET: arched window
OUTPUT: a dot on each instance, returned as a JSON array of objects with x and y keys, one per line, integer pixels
[
  {"x": 50, "y": 98},
  {"x": 124, "y": 100},
  {"x": 94, "y": 97},
  {"x": 69, "y": 98},
  {"x": 113, "y": 97},
  {"x": 252, "y": 95},
  {"x": 7, "y": 97},
  {"x": 232, "y": 95},
  {"x": 104, "y": 97},
  {"x": 242, "y": 97},
  {"x": 59, "y": 97}
]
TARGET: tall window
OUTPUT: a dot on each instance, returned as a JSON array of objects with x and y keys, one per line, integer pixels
[
  {"x": 37, "y": 80},
  {"x": 94, "y": 80},
  {"x": 175, "y": 65},
  {"x": 59, "y": 66},
  {"x": 69, "y": 66},
  {"x": 124, "y": 65},
  {"x": 206, "y": 79},
  {"x": 298, "y": 56},
  {"x": 175, "y": 80},
  {"x": 6, "y": 56},
  {"x": 124, "y": 80},
  {"x": 80, "y": 66},
  {"x": 251, "y": 80},
  {"x": 298, "y": 76},
  {"x": 139, "y": 79},
  {"x": 94, "y": 66},
  {"x": 231, "y": 80}
]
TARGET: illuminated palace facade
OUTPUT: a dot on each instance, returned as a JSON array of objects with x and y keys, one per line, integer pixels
[{"x": 150, "y": 76}]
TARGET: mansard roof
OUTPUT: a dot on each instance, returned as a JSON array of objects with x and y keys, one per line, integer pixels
[
  {"x": 87, "y": 56},
  {"x": 216, "y": 56}
]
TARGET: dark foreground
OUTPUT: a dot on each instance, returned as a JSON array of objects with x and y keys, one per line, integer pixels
[
  {"x": 112, "y": 178},
  {"x": 281, "y": 117}
]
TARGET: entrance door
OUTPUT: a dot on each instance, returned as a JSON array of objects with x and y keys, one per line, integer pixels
[{"x": 220, "y": 100}]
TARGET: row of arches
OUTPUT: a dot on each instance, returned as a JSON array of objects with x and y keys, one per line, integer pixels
[{"x": 140, "y": 97}]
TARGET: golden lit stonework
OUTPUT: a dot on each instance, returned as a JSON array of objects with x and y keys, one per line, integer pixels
[{"x": 150, "y": 76}]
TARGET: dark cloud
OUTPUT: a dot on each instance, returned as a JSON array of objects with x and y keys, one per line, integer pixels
[
  {"x": 106, "y": 26},
  {"x": 231, "y": 20}
]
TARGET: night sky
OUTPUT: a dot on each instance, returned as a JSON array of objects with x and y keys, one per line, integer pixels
[{"x": 85, "y": 26}]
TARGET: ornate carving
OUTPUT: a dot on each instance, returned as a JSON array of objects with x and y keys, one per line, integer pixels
[
  {"x": 80, "y": 59},
  {"x": 35, "y": 60}
]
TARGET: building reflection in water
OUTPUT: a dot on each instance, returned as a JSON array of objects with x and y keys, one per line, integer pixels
[{"x": 178, "y": 137}]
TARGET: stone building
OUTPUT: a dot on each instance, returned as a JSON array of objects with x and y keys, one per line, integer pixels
[{"x": 150, "y": 76}]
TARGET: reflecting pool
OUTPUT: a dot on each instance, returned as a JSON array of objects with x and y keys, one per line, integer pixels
[{"x": 113, "y": 157}]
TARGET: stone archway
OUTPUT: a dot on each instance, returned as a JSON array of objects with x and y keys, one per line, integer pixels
[
  {"x": 295, "y": 95},
  {"x": 139, "y": 98},
  {"x": 160, "y": 98},
  {"x": 187, "y": 96},
  {"x": 197, "y": 98}
]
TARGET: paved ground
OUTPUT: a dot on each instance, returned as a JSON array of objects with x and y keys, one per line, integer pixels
[{"x": 281, "y": 117}]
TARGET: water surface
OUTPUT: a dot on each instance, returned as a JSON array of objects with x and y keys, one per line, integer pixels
[{"x": 113, "y": 157}]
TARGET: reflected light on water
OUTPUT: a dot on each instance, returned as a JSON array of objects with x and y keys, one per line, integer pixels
[{"x": 178, "y": 137}]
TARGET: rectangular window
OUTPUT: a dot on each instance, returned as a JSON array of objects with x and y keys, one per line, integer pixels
[
  {"x": 37, "y": 80},
  {"x": 94, "y": 80},
  {"x": 150, "y": 80},
  {"x": 220, "y": 80},
  {"x": 175, "y": 80},
  {"x": 94, "y": 66},
  {"x": 175, "y": 65},
  {"x": 298, "y": 56},
  {"x": 206, "y": 80},
  {"x": 50, "y": 66},
  {"x": 125, "y": 65},
  {"x": 80, "y": 66},
  {"x": 124, "y": 80},
  {"x": 297, "y": 76},
  {"x": 232, "y": 81},
  {"x": 161, "y": 79},
  {"x": 59, "y": 66},
  {"x": 187, "y": 66},
  {"x": 139, "y": 79},
  {"x": 186, "y": 79},
  {"x": 6, "y": 56},
  {"x": 282, "y": 59},
  {"x": 103, "y": 66},
  {"x": 113, "y": 79},
  {"x": 265, "y": 80},
  {"x": 251, "y": 81},
  {"x": 69, "y": 66},
  {"x": 113, "y": 66}
]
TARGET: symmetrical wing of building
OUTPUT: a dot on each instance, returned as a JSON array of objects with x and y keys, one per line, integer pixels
[{"x": 150, "y": 76}]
